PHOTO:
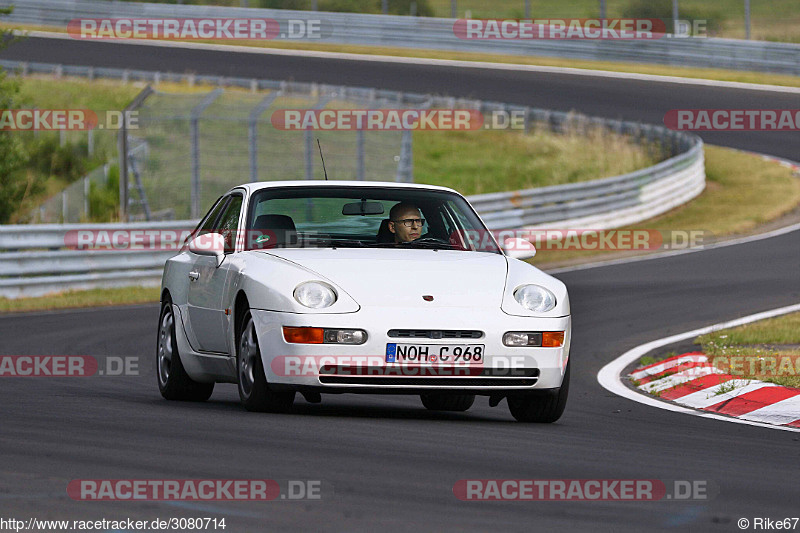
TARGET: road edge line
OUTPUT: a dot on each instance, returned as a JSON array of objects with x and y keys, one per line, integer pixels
[{"x": 610, "y": 376}]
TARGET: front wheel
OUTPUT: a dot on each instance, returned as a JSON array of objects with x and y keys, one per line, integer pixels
[
  {"x": 447, "y": 402},
  {"x": 173, "y": 381},
  {"x": 254, "y": 391},
  {"x": 544, "y": 406}
]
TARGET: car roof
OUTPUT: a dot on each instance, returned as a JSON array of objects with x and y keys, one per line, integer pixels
[{"x": 259, "y": 185}]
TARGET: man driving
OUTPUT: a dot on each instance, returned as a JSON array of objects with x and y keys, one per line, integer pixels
[{"x": 405, "y": 222}]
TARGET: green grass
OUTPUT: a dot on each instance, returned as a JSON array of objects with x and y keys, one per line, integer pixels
[
  {"x": 649, "y": 359},
  {"x": 490, "y": 161},
  {"x": 467, "y": 161},
  {"x": 49, "y": 172},
  {"x": 779, "y": 330},
  {"x": 755, "y": 344},
  {"x": 742, "y": 193},
  {"x": 87, "y": 298}
]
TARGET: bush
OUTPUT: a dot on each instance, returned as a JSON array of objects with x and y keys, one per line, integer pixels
[
  {"x": 49, "y": 158},
  {"x": 104, "y": 199},
  {"x": 662, "y": 9},
  {"x": 396, "y": 7}
]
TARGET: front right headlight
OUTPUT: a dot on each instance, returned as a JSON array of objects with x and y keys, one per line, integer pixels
[
  {"x": 535, "y": 298},
  {"x": 315, "y": 294}
]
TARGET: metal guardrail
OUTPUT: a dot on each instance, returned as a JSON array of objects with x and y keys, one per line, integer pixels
[
  {"x": 438, "y": 34},
  {"x": 599, "y": 204},
  {"x": 33, "y": 260}
]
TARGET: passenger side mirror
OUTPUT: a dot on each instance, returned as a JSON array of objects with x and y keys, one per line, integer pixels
[{"x": 518, "y": 248}]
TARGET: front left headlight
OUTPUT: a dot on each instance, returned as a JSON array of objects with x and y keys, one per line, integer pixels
[
  {"x": 535, "y": 298},
  {"x": 315, "y": 294}
]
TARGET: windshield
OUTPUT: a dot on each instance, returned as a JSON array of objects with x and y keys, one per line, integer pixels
[{"x": 316, "y": 217}]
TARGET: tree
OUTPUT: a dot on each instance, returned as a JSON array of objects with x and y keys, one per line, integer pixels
[{"x": 13, "y": 182}]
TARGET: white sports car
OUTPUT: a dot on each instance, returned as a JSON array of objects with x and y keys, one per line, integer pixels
[{"x": 360, "y": 287}]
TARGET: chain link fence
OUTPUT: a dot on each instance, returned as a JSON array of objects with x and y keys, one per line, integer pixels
[{"x": 188, "y": 149}]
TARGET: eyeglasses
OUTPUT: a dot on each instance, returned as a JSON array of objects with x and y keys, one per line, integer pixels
[{"x": 408, "y": 222}]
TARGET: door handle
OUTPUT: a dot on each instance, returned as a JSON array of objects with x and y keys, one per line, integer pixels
[{"x": 194, "y": 276}]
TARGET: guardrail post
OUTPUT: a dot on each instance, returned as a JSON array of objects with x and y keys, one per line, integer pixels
[
  {"x": 747, "y": 19},
  {"x": 122, "y": 147},
  {"x": 309, "y": 134},
  {"x": 195, "y": 148},
  {"x": 252, "y": 132},
  {"x": 360, "y": 142},
  {"x": 86, "y": 188},
  {"x": 405, "y": 167}
]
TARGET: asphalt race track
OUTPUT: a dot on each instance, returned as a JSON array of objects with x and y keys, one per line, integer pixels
[
  {"x": 597, "y": 96},
  {"x": 385, "y": 462}
]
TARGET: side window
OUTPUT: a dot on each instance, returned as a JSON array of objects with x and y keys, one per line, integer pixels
[
  {"x": 229, "y": 223},
  {"x": 208, "y": 224}
]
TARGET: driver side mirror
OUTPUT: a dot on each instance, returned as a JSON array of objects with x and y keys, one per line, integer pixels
[
  {"x": 209, "y": 244},
  {"x": 518, "y": 248}
]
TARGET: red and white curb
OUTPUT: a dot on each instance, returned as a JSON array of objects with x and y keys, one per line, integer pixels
[
  {"x": 611, "y": 378},
  {"x": 690, "y": 380}
]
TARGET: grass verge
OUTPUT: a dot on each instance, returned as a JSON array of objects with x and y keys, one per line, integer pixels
[
  {"x": 86, "y": 298},
  {"x": 743, "y": 192},
  {"x": 768, "y": 350}
]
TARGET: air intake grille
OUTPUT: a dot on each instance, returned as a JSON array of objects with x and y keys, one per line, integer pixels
[{"x": 435, "y": 333}]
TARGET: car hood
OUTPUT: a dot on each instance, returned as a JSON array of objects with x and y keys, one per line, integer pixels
[{"x": 400, "y": 278}]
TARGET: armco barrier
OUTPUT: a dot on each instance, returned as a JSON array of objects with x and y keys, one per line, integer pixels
[
  {"x": 33, "y": 262},
  {"x": 599, "y": 204},
  {"x": 438, "y": 34}
]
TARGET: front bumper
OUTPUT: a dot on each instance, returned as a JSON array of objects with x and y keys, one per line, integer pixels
[{"x": 364, "y": 367}]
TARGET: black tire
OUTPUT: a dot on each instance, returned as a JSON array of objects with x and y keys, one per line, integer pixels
[
  {"x": 447, "y": 402},
  {"x": 254, "y": 391},
  {"x": 542, "y": 407},
  {"x": 173, "y": 381}
]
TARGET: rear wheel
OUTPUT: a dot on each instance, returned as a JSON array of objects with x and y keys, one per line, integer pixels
[
  {"x": 541, "y": 406},
  {"x": 173, "y": 381},
  {"x": 254, "y": 391},
  {"x": 447, "y": 402}
]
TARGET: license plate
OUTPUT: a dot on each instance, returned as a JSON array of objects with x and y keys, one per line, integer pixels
[{"x": 397, "y": 352}]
